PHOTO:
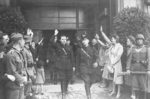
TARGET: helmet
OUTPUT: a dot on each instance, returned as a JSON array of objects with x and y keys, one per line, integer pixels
[{"x": 140, "y": 36}]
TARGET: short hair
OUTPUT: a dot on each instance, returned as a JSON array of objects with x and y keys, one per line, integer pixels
[
  {"x": 63, "y": 36},
  {"x": 131, "y": 38},
  {"x": 115, "y": 36}
]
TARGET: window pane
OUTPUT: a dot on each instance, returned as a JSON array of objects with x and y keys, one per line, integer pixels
[
  {"x": 67, "y": 20},
  {"x": 67, "y": 26}
]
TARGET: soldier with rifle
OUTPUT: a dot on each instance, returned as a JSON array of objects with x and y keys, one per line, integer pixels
[{"x": 139, "y": 61}]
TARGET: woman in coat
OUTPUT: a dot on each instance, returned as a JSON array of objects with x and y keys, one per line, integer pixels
[{"x": 116, "y": 51}]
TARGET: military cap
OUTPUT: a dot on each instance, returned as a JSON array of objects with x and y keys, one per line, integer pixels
[
  {"x": 131, "y": 38},
  {"x": 140, "y": 36},
  {"x": 27, "y": 38},
  {"x": 16, "y": 36}
]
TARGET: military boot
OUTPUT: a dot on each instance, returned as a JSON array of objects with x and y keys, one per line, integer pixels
[
  {"x": 63, "y": 89},
  {"x": 87, "y": 90}
]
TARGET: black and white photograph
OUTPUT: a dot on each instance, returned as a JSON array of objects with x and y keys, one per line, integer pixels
[{"x": 74, "y": 49}]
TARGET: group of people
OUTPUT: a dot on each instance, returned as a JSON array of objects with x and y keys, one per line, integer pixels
[
  {"x": 20, "y": 68},
  {"x": 21, "y": 64}
]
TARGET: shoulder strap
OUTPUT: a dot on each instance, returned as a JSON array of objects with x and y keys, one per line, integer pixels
[{"x": 86, "y": 53}]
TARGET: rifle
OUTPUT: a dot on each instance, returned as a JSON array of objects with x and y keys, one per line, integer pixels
[
  {"x": 132, "y": 72},
  {"x": 138, "y": 73}
]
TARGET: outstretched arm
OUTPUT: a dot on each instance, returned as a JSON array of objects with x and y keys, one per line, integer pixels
[{"x": 105, "y": 37}]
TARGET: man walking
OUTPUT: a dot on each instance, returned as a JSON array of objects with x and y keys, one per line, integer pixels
[
  {"x": 86, "y": 63},
  {"x": 64, "y": 62}
]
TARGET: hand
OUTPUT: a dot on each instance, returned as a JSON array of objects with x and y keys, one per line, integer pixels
[
  {"x": 128, "y": 72},
  {"x": 97, "y": 37},
  {"x": 25, "y": 78},
  {"x": 56, "y": 32},
  {"x": 47, "y": 61},
  {"x": 95, "y": 65},
  {"x": 74, "y": 69},
  {"x": 101, "y": 29},
  {"x": 148, "y": 72},
  {"x": 10, "y": 77},
  {"x": 37, "y": 59}
]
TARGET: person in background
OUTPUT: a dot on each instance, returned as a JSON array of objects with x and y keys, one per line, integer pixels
[
  {"x": 139, "y": 60},
  {"x": 40, "y": 51},
  {"x": 68, "y": 43},
  {"x": 106, "y": 75},
  {"x": 40, "y": 77},
  {"x": 128, "y": 78},
  {"x": 86, "y": 64},
  {"x": 51, "y": 60},
  {"x": 116, "y": 51},
  {"x": 30, "y": 66},
  {"x": 15, "y": 66}
]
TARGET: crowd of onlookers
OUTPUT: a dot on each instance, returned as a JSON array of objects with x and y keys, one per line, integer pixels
[{"x": 22, "y": 64}]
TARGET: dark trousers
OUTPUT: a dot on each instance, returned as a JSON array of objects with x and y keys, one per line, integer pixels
[
  {"x": 65, "y": 76},
  {"x": 53, "y": 72},
  {"x": 139, "y": 82},
  {"x": 88, "y": 79},
  {"x": 15, "y": 93},
  {"x": 28, "y": 89}
]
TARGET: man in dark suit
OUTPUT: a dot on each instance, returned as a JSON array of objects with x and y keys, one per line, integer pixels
[
  {"x": 86, "y": 63},
  {"x": 64, "y": 62}
]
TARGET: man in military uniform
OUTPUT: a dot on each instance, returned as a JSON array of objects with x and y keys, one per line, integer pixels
[
  {"x": 86, "y": 63},
  {"x": 31, "y": 73},
  {"x": 139, "y": 60},
  {"x": 64, "y": 62},
  {"x": 51, "y": 60},
  {"x": 15, "y": 67}
]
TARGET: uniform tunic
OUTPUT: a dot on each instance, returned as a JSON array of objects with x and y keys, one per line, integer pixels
[
  {"x": 64, "y": 60},
  {"x": 15, "y": 67},
  {"x": 115, "y": 59},
  {"x": 85, "y": 63},
  {"x": 135, "y": 64}
]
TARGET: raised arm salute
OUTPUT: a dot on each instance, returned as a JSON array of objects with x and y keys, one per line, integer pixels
[{"x": 64, "y": 61}]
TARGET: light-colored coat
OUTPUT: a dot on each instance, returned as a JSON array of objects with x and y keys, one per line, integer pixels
[{"x": 115, "y": 58}]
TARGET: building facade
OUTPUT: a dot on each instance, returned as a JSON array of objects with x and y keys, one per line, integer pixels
[{"x": 76, "y": 16}]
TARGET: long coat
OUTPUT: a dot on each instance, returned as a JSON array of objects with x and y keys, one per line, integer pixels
[
  {"x": 65, "y": 56},
  {"x": 115, "y": 59}
]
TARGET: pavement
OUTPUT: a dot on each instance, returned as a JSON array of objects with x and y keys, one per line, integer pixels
[{"x": 77, "y": 91}]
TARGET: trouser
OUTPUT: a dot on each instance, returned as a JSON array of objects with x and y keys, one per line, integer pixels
[
  {"x": 88, "y": 81},
  {"x": 28, "y": 89},
  {"x": 53, "y": 72},
  {"x": 65, "y": 76},
  {"x": 15, "y": 93},
  {"x": 139, "y": 82}
]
